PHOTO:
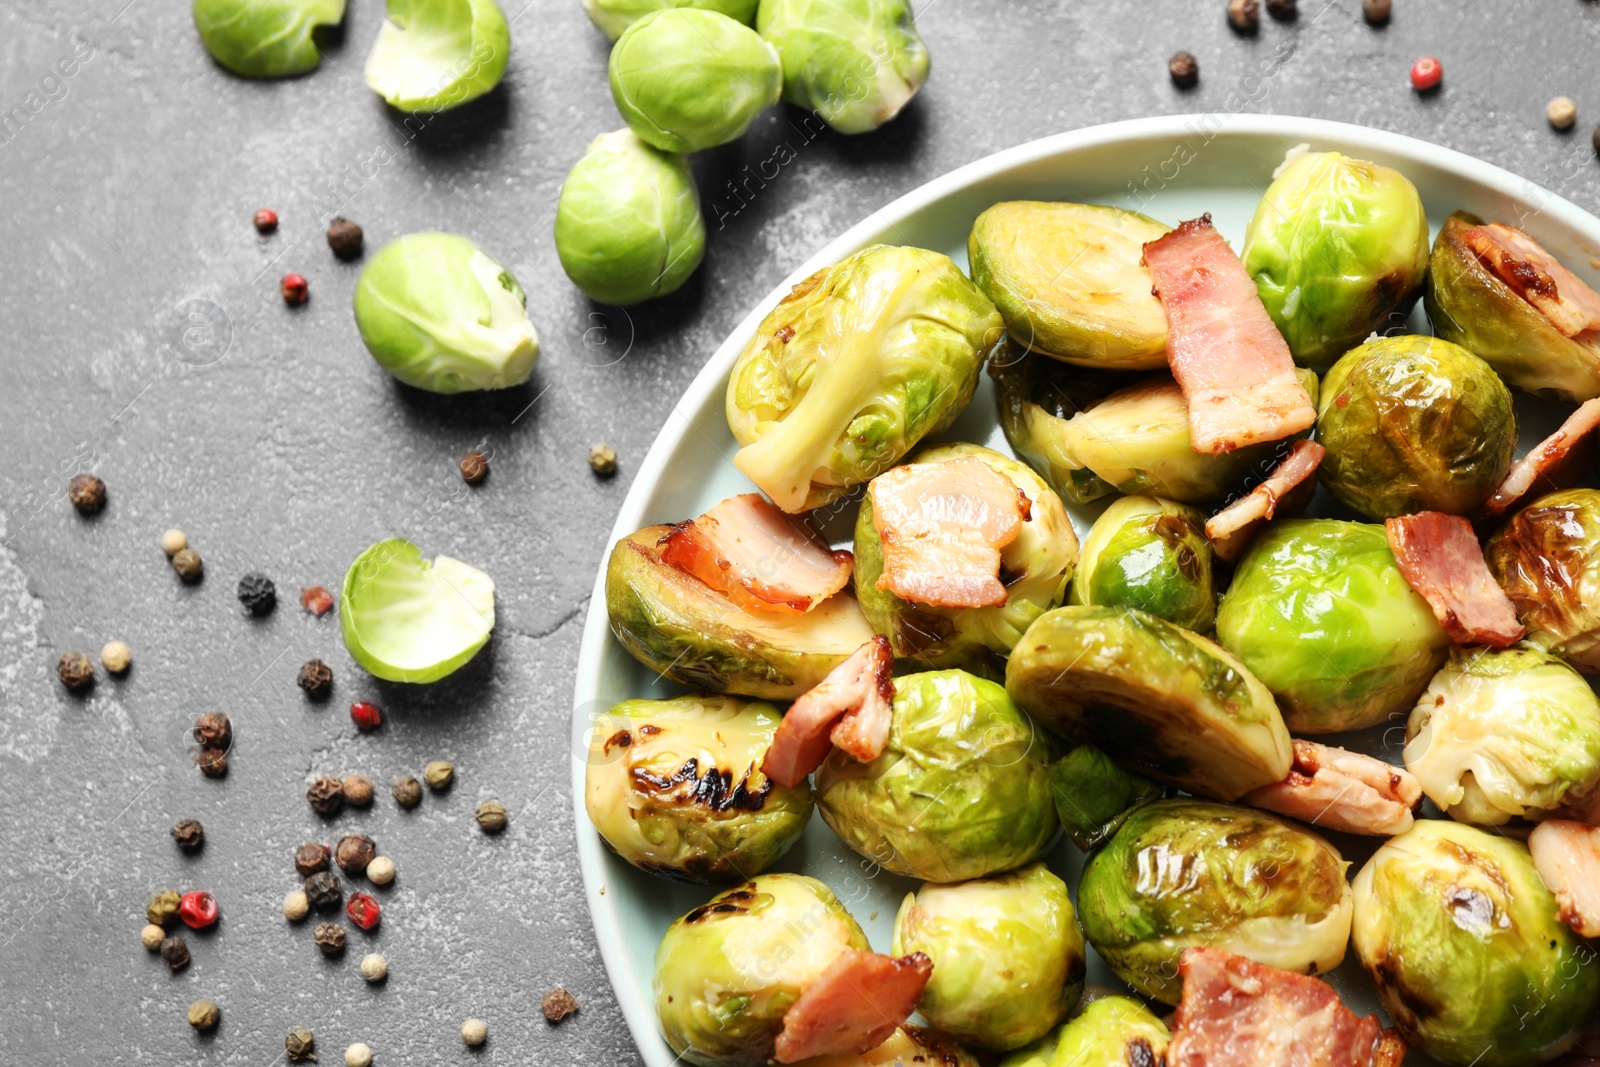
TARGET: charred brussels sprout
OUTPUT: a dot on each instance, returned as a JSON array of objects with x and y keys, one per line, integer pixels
[
  {"x": 856, "y": 365},
  {"x": 265, "y": 38},
  {"x": 432, "y": 55},
  {"x": 727, "y": 971},
  {"x": 675, "y": 788},
  {"x": 1107, "y": 1032},
  {"x": 1150, "y": 554},
  {"x": 961, "y": 791},
  {"x": 1463, "y": 941},
  {"x": 1095, "y": 795},
  {"x": 1414, "y": 424},
  {"x": 1321, "y": 614},
  {"x": 1007, "y": 955},
  {"x": 612, "y": 17},
  {"x": 1547, "y": 558},
  {"x": 1036, "y": 567},
  {"x": 677, "y": 625},
  {"x": 1155, "y": 696},
  {"x": 855, "y": 63},
  {"x": 1186, "y": 872},
  {"x": 1070, "y": 281},
  {"x": 1336, "y": 246}
]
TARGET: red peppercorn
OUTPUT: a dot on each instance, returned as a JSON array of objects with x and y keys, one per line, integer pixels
[
  {"x": 266, "y": 220},
  {"x": 316, "y": 600},
  {"x": 198, "y": 909},
  {"x": 366, "y": 716},
  {"x": 1426, "y": 73},
  {"x": 363, "y": 910},
  {"x": 294, "y": 289}
]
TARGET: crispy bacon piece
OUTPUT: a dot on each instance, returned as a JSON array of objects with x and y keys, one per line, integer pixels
[
  {"x": 1441, "y": 559},
  {"x": 1289, "y": 486},
  {"x": 1555, "y": 463},
  {"x": 848, "y": 708},
  {"x": 1236, "y": 1012},
  {"x": 854, "y": 1006},
  {"x": 763, "y": 559},
  {"x": 942, "y": 526},
  {"x": 1235, "y": 368},
  {"x": 1536, "y": 276},
  {"x": 1342, "y": 790},
  {"x": 1567, "y": 856}
]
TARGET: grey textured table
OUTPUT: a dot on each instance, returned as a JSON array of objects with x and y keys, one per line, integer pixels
[{"x": 126, "y": 192}]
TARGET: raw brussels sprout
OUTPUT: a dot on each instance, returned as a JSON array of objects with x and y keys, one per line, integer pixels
[
  {"x": 1463, "y": 941},
  {"x": 855, "y": 366},
  {"x": 407, "y": 620},
  {"x": 1503, "y": 734},
  {"x": 1188, "y": 872},
  {"x": 686, "y": 79},
  {"x": 727, "y": 971},
  {"x": 961, "y": 791},
  {"x": 1336, "y": 246},
  {"x": 1153, "y": 695},
  {"x": 1414, "y": 424},
  {"x": 1070, "y": 281},
  {"x": 628, "y": 223},
  {"x": 615, "y": 16},
  {"x": 433, "y": 55},
  {"x": 1007, "y": 955},
  {"x": 1469, "y": 305},
  {"x": 1106, "y": 1032},
  {"x": 439, "y": 314},
  {"x": 1547, "y": 559},
  {"x": 680, "y": 627},
  {"x": 1321, "y": 614},
  {"x": 1036, "y": 567},
  {"x": 1153, "y": 555},
  {"x": 265, "y": 38},
  {"x": 1095, "y": 795},
  {"x": 675, "y": 787},
  {"x": 855, "y": 63}
]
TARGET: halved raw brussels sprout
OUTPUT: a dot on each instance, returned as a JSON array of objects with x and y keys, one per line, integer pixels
[
  {"x": 679, "y": 626},
  {"x": 855, "y": 63},
  {"x": 405, "y": 619},
  {"x": 433, "y": 55},
  {"x": 1547, "y": 559},
  {"x": 1095, "y": 794},
  {"x": 265, "y": 38},
  {"x": 1151, "y": 554},
  {"x": 612, "y": 17}
]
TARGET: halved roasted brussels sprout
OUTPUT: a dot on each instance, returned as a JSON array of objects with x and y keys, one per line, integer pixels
[
  {"x": 1036, "y": 396},
  {"x": 1462, "y": 938},
  {"x": 677, "y": 625},
  {"x": 911, "y": 1046},
  {"x": 1150, "y": 554},
  {"x": 1187, "y": 872},
  {"x": 1321, "y": 614},
  {"x": 1547, "y": 559},
  {"x": 1095, "y": 795},
  {"x": 1154, "y": 696}
]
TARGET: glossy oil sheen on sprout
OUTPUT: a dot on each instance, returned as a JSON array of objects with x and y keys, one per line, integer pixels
[
  {"x": 1547, "y": 558},
  {"x": 1150, "y": 554}
]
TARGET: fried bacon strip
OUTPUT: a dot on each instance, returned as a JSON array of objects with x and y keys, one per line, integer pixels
[
  {"x": 849, "y": 708},
  {"x": 1342, "y": 790},
  {"x": 1289, "y": 486},
  {"x": 1567, "y": 856},
  {"x": 763, "y": 559},
  {"x": 1441, "y": 559},
  {"x": 1536, "y": 276},
  {"x": 1555, "y": 463},
  {"x": 856, "y": 1005}
]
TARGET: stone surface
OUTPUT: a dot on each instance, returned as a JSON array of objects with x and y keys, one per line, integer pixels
[{"x": 146, "y": 342}]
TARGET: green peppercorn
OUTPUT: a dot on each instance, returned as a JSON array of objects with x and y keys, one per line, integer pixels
[
  {"x": 310, "y": 858},
  {"x": 204, "y": 1014},
  {"x": 163, "y": 907},
  {"x": 491, "y": 816},
  {"x": 603, "y": 460},
  {"x": 439, "y": 774},
  {"x": 407, "y": 791},
  {"x": 176, "y": 952},
  {"x": 329, "y": 938},
  {"x": 75, "y": 671},
  {"x": 187, "y": 562},
  {"x": 354, "y": 852},
  {"x": 87, "y": 493},
  {"x": 300, "y": 1045},
  {"x": 326, "y": 796},
  {"x": 189, "y": 834}
]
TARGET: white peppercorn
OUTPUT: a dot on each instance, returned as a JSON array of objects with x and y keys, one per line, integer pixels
[
  {"x": 173, "y": 542},
  {"x": 374, "y": 968},
  {"x": 296, "y": 906},
  {"x": 474, "y": 1032},
  {"x": 152, "y": 936},
  {"x": 381, "y": 870},
  {"x": 358, "y": 1055},
  {"x": 116, "y": 657}
]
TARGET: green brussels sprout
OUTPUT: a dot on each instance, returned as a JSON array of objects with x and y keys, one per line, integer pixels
[
  {"x": 433, "y": 55},
  {"x": 1036, "y": 395},
  {"x": 439, "y": 314},
  {"x": 1336, "y": 246},
  {"x": 628, "y": 223},
  {"x": 407, "y": 620},
  {"x": 855, "y": 63},
  {"x": 1095, "y": 795},
  {"x": 675, "y": 787},
  {"x": 614, "y": 16},
  {"x": 1464, "y": 943},
  {"x": 728, "y": 970},
  {"x": 1547, "y": 559},
  {"x": 1414, "y": 424},
  {"x": 683, "y": 629},
  {"x": 1319, "y": 612},
  {"x": 265, "y": 38},
  {"x": 1469, "y": 305},
  {"x": 1153, "y": 555},
  {"x": 909, "y": 1046},
  {"x": 1155, "y": 696},
  {"x": 961, "y": 791},
  {"x": 1036, "y": 566},
  {"x": 1007, "y": 955},
  {"x": 856, "y": 365},
  {"x": 1109, "y": 1031},
  {"x": 1182, "y": 873},
  {"x": 1070, "y": 281},
  {"x": 687, "y": 79},
  {"x": 1505, "y": 733}
]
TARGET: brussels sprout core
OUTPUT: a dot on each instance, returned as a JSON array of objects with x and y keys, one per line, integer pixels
[{"x": 432, "y": 55}]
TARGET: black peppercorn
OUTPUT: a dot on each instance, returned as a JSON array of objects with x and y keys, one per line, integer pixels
[
  {"x": 309, "y": 859},
  {"x": 1185, "y": 70},
  {"x": 326, "y": 796},
  {"x": 75, "y": 671},
  {"x": 87, "y": 493},
  {"x": 213, "y": 730},
  {"x": 316, "y": 678},
  {"x": 329, "y": 938},
  {"x": 187, "y": 562},
  {"x": 354, "y": 852},
  {"x": 323, "y": 892},
  {"x": 345, "y": 238},
  {"x": 407, "y": 791},
  {"x": 1377, "y": 12},
  {"x": 175, "y": 952},
  {"x": 1283, "y": 10},
  {"x": 474, "y": 468},
  {"x": 1597, "y": 140},
  {"x": 300, "y": 1045},
  {"x": 189, "y": 834},
  {"x": 257, "y": 593},
  {"x": 1244, "y": 15},
  {"x": 213, "y": 762},
  {"x": 558, "y": 1004}
]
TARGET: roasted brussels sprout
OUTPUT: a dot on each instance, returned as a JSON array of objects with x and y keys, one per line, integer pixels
[
  {"x": 1414, "y": 424},
  {"x": 962, "y": 790},
  {"x": 1336, "y": 246},
  {"x": 1463, "y": 941},
  {"x": 628, "y": 224},
  {"x": 1547, "y": 559},
  {"x": 1153, "y": 695},
  {"x": 728, "y": 970},
  {"x": 911, "y": 1046},
  {"x": 1106, "y": 1032},
  {"x": 677, "y": 625},
  {"x": 1007, "y": 955},
  {"x": 675, "y": 787},
  {"x": 855, "y": 366},
  {"x": 1150, "y": 554},
  {"x": 1094, "y": 795},
  {"x": 432, "y": 55},
  {"x": 1036, "y": 395},
  {"x": 1189, "y": 872},
  {"x": 406, "y": 619},
  {"x": 1504, "y": 734},
  {"x": 1321, "y": 614},
  {"x": 1070, "y": 281},
  {"x": 265, "y": 38},
  {"x": 439, "y": 314},
  {"x": 614, "y": 16},
  {"x": 1036, "y": 567},
  {"x": 855, "y": 63}
]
